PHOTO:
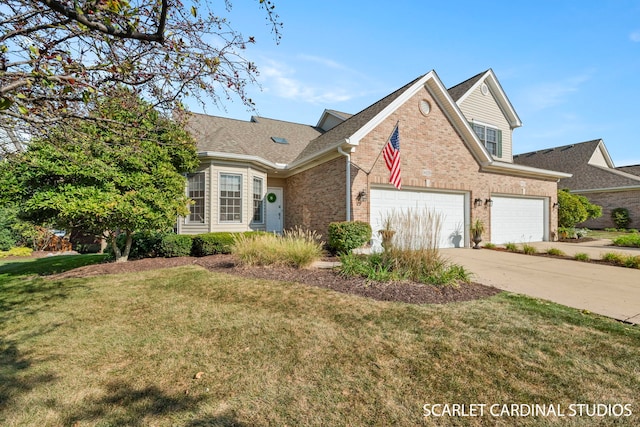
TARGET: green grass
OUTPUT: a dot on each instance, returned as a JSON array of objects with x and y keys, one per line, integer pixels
[
  {"x": 529, "y": 249},
  {"x": 124, "y": 350},
  {"x": 629, "y": 240},
  {"x": 511, "y": 247},
  {"x": 581, "y": 256},
  {"x": 604, "y": 234},
  {"x": 555, "y": 252},
  {"x": 47, "y": 265}
]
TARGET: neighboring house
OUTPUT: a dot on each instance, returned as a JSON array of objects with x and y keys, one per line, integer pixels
[
  {"x": 455, "y": 156},
  {"x": 594, "y": 176}
]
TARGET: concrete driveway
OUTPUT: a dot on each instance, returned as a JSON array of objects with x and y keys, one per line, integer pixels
[{"x": 607, "y": 290}]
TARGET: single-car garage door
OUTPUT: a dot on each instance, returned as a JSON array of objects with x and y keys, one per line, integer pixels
[
  {"x": 518, "y": 219},
  {"x": 451, "y": 207}
]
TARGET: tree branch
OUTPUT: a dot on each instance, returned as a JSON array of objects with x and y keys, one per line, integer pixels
[{"x": 130, "y": 33}]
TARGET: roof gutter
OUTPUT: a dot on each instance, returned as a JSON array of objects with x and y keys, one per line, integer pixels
[
  {"x": 243, "y": 157},
  {"x": 524, "y": 171}
]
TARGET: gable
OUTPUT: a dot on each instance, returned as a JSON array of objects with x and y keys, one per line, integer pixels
[
  {"x": 483, "y": 101},
  {"x": 480, "y": 106}
]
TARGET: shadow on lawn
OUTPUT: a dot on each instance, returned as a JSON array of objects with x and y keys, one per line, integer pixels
[
  {"x": 123, "y": 404},
  {"x": 14, "y": 374}
]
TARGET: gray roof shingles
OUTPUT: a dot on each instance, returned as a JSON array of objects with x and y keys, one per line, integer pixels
[
  {"x": 574, "y": 159},
  {"x": 219, "y": 134}
]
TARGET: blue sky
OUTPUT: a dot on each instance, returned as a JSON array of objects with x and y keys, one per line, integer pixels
[{"x": 570, "y": 68}]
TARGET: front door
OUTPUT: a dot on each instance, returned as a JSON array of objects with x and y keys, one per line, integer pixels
[{"x": 275, "y": 214}]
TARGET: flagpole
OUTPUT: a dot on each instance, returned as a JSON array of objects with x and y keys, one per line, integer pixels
[{"x": 382, "y": 149}]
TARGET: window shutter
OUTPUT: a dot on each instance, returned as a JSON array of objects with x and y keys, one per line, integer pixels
[{"x": 499, "y": 149}]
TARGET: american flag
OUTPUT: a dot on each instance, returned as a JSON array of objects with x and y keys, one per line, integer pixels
[{"x": 391, "y": 154}]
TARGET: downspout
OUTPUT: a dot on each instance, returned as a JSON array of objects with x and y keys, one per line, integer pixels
[{"x": 348, "y": 189}]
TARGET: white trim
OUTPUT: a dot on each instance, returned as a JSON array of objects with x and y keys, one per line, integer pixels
[
  {"x": 242, "y": 197},
  {"x": 524, "y": 171},
  {"x": 244, "y": 157}
]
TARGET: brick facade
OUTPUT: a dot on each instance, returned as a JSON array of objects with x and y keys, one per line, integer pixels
[
  {"x": 433, "y": 157},
  {"x": 316, "y": 197},
  {"x": 610, "y": 201}
]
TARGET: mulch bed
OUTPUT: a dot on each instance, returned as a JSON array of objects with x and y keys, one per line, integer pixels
[{"x": 407, "y": 292}]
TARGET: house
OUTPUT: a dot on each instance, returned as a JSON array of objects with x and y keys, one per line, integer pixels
[
  {"x": 455, "y": 158},
  {"x": 593, "y": 176}
]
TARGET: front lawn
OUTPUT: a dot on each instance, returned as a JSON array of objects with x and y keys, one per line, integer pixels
[{"x": 189, "y": 347}]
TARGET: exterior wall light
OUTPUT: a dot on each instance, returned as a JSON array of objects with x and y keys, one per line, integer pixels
[
  {"x": 477, "y": 202},
  {"x": 362, "y": 196},
  {"x": 488, "y": 202}
]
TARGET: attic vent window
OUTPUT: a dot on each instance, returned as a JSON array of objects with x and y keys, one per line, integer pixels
[{"x": 279, "y": 140}]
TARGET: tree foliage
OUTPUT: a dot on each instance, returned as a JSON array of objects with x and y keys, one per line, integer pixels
[
  {"x": 574, "y": 209},
  {"x": 57, "y": 56},
  {"x": 105, "y": 182}
]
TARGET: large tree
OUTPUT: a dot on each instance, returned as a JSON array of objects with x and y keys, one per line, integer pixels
[
  {"x": 105, "y": 182},
  {"x": 57, "y": 56}
]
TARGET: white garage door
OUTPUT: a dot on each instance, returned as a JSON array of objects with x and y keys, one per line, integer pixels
[
  {"x": 517, "y": 220},
  {"x": 451, "y": 207}
]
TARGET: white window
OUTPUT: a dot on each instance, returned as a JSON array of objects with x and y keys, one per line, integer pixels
[
  {"x": 196, "y": 192},
  {"x": 490, "y": 137},
  {"x": 258, "y": 203},
  {"x": 230, "y": 198}
]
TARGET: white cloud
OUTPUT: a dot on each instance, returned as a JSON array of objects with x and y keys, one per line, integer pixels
[
  {"x": 314, "y": 80},
  {"x": 549, "y": 94},
  {"x": 280, "y": 80},
  {"x": 635, "y": 36}
]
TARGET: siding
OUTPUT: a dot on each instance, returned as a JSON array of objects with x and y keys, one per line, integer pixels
[
  {"x": 485, "y": 109},
  {"x": 212, "y": 223}
]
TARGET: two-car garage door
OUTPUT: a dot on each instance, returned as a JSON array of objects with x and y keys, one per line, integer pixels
[{"x": 450, "y": 206}]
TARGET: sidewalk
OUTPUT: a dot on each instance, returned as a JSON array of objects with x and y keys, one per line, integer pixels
[
  {"x": 595, "y": 249},
  {"x": 602, "y": 289}
]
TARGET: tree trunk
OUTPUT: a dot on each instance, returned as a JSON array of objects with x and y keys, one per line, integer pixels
[{"x": 127, "y": 247}]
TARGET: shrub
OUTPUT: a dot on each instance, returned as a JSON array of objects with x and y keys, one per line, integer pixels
[
  {"x": 7, "y": 240},
  {"x": 633, "y": 231},
  {"x": 528, "y": 249},
  {"x": 373, "y": 267},
  {"x": 621, "y": 217},
  {"x": 489, "y": 245},
  {"x": 574, "y": 209},
  {"x": 295, "y": 248},
  {"x": 175, "y": 245},
  {"x": 632, "y": 261},
  {"x": 581, "y": 257},
  {"x": 511, "y": 247},
  {"x": 629, "y": 240},
  {"x": 613, "y": 257},
  {"x": 16, "y": 251},
  {"x": 145, "y": 244},
  {"x": 348, "y": 235},
  {"x": 212, "y": 243},
  {"x": 555, "y": 252}
]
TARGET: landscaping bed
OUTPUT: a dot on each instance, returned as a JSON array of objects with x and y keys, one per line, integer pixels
[{"x": 405, "y": 291}]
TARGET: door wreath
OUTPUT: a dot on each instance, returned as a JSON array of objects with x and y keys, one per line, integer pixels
[{"x": 271, "y": 197}]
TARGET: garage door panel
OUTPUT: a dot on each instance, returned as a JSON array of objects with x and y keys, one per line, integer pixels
[
  {"x": 517, "y": 220},
  {"x": 451, "y": 207}
]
